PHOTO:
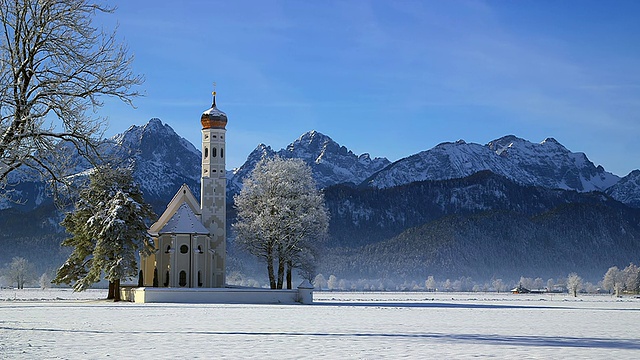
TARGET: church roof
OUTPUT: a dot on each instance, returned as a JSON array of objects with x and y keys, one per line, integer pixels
[
  {"x": 184, "y": 221},
  {"x": 184, "y": 195},
  {"x": 213, "y": 118}
]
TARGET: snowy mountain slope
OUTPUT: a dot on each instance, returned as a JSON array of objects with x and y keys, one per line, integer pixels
[
  {"x": 551, "y": 165},
  {"x": 236, "y": 176},
  {"x": 330, "y": 162},
  {"x": 547, "y": 164},
  {"x": 627, "y": 190},
  {"x": 162, "y": 160}
]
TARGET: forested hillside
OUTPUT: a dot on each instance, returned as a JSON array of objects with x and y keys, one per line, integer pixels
[
  {"x": 583, "y": 238},
  {"x": 361, "y": 216}
]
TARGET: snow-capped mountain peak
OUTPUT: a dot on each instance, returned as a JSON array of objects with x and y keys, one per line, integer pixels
[
  {"x": 330, "y": 162},
  {"x": 547, "y": 164}
]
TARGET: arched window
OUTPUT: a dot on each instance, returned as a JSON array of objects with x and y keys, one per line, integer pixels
[
  {"x": 214, "y": 152},
  {"x": 200, "y": 249},
  {"x": 221, "y": 152},
  {"x": 199, "y": 279},
  {"x": 183, "y": 278},
  {"x": 206, "y": 153},
  {"x": 168, "y": 249},
  {"x": 184, "y": 249}
]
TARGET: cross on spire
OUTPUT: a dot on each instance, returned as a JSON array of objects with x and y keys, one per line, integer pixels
[{"x": 214, "y": 94}]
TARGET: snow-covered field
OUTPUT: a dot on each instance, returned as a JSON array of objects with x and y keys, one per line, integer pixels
[{"x": 50, "y": 324}]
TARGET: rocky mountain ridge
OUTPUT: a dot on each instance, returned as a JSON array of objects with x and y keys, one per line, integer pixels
[
  {"x": 330, "y": 162},
  {"x": 163, "y": 160},
  {"x": 547, "y": 164}
]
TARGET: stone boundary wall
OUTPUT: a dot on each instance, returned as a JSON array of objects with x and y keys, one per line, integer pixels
[{"x": 227, "y": 295}]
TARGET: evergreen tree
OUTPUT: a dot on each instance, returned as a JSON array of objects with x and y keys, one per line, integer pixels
[
  {"x": 281, "y": 218},
  {"x": 108, "y": 228}
]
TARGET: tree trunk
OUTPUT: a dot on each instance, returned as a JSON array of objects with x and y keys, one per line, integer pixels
[
  {"x": 289, "y": 268},
  {"x": 116, "y": 290},
  {"x": 280, "y": 272},
  {"x": 111, "y": 294},
  {"x": 272, "y": 279}
]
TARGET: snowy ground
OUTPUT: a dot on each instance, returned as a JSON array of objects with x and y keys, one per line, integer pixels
[{"x": 36, "y": 324}]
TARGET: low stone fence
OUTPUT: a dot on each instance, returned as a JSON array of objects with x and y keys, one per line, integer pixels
[{"x": 227, "y": 295}]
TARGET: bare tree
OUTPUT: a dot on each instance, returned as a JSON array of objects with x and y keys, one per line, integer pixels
[
  {"x": 54, "y": 68},
  {"x": 574, "y": 284},
  {"x": 20, "y": 271}
]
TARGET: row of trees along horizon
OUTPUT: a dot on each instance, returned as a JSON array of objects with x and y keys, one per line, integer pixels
[
  {"x": 615, "y": 281},
  {"x": 56, "y": 69}
]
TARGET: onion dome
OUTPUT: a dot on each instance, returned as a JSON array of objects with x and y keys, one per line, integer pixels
[{"x": 213, "y": 118}]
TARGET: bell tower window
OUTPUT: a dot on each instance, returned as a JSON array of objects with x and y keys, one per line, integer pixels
[
  {"x": 214, "y": 152},
  {"x": 206, "y": 153}
]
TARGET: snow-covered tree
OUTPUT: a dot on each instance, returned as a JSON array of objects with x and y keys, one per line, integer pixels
[
  {"x": 574, "y": 284},
  {"x": 447, "y": 285},
  {"x": 319, "y": 282},
  {"x": 430, "y": 283},
  {"x": 538, "y": 283},
  {"x": 20, "y": 271},
  {"x": 54, "y": 69},
  {"x": 550, "y": 284},
  {"x": 108, "y": 229},
  {"x": 332, "y": 283},
  {"x": 630, "y": 278},
  {"x": 498, "y": 285},
  {"x": 282, "y": 218},
  {"x": 526, "y": 282},
  {"x": 612, "y": 280},
  {"x": 45, "y": 281}
]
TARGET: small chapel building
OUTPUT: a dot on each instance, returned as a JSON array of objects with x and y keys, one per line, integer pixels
[{"x": 190, "y": 236}]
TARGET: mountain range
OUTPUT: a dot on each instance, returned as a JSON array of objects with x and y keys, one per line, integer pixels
[{"x": 458, "y": 209}]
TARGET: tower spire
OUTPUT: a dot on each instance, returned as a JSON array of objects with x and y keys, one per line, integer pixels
[{"x": 214, "y": 95}]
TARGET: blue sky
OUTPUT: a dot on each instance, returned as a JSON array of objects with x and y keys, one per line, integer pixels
[{"x": 390, "y": 78}]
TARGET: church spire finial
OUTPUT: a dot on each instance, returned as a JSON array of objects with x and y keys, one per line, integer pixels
[{"x": 214, "y": 94}]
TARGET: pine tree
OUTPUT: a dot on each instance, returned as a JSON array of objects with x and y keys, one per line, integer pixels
[{"x": 108, "y": 228}]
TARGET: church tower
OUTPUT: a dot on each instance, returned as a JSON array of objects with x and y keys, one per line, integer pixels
[{"x": 213, "y": 191}]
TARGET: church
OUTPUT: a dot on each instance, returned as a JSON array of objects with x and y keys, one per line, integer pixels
[
  {"x": 190, "y": 236},
  {"x": 188, "y": 264}
]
